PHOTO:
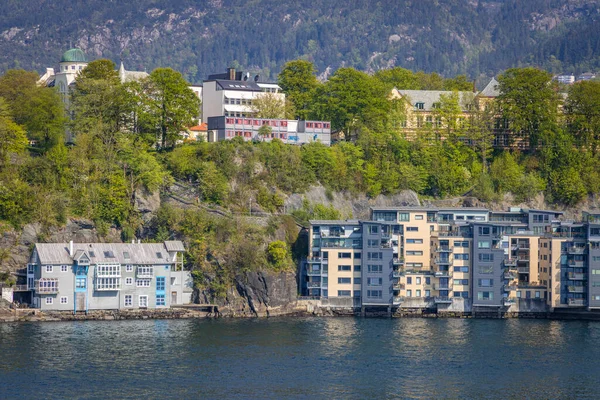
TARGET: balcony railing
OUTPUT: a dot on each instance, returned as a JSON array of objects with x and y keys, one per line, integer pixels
[
  {"x": 576, "y": 289},
  {"x": 398, "y": 261},
  {"x": 442, "y": 261},
  {"x": 576, "y": 250},
  {"x": 313, "y": 259},
  {"x": 576, "y": 302},
  {"x": 442, "y": 300},
  {"x": 509, "y": 275},
  {"x": 442, "y": 286},
  {"x": 523, "y": 270},
  {"x": 576, "y": 276},
  {"x": 396, "y": 274},
  {"x": 313, "y": 285},
  {"x": 444, "y": 249},
  {"x": 398, "y": 299},
  {"x": 399, "y": 286},
  {"x": 510, "y": 286},
  {"x": 511, "y": 262},
  {"x": 442, "y": 273},
  {"x": 313, "y": 272}
]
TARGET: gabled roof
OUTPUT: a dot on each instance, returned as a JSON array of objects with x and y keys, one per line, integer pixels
[
  {"x": 130, "y": 76},
  {"x": 431, "y": 97},
  {"x": 122, "y": 253},
  {"x": 491, "y": 89},
  {"x": 203, "y": 127}
]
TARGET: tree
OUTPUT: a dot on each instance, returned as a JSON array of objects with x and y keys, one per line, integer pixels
[
  {"x": 278, "y": 255},
  {"x": 101, "y": 69},
  {"x": 12, "y": 136},
  {"x": 170, "y": 105},
  {"x": 268, "y": 105},
  {"x": 460, "y": 83},
  {"x": 582, "y": 112},
  {"x": 298, "y": 81},
  {"x": 265, "y": 131},
  {"x": 351, "y": 99},
  {"x": 400, "y": 78},
  {"x": 529, "y": 101},
  {"x": 447, "y": 112}
]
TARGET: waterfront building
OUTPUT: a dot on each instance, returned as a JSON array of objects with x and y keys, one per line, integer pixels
[
  {"x": 457, "y": 259},
  {"x": 107, "y": 276}
]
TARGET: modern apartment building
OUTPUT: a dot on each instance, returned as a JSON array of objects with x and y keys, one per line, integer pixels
[
  {"x": 480, "y": 260},
  {"x": 108, "y": 276}
]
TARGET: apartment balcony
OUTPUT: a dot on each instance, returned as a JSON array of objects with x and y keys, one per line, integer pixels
[
  {"x": 509, "y": 275},
  {"x": 442, "y": 273},
  {"x": 511, "y": 262},
  {"x": 324, "y": 271},
  {"x": 442, "y": 261},
  {"x": 47, "y": 286},
  {"x": 313, "y": 285},
  {"x": 443, "y": 249},
  {"x": 576, "y": 289},
  {"x": 398, "y": 261},
  {"x": 313, "y": 272},
  {"x": 576, "y": 250},
  {"x": 331, "y": 234},
  {"x": 523, "y": 270},
  {"x": 442, "y": 300},
  {"x": 396, "y": 274},
  {"x": 523, "y": 258},
  {"x": 313, "y": 259},
  {"x": 576, "y": 276},
  {"x": 510, "y": 286},
  {"x": 520, "y": 246},
  {"x": 398, "y": 300},
  {"x": 399, "y": 286},
  {"x": 576, "y": 302},
  {"x": 442, "y": 286},
  {"x": 576, "y": 264}
]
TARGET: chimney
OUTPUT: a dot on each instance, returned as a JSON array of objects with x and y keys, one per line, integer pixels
[
  {"x": 474, "y": 86},
  {"x": 231, "y": 73},
  {"x": 71, "y": 248}
]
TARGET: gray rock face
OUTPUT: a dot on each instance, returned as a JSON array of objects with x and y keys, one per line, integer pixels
[{"x": 146, "y": 203}]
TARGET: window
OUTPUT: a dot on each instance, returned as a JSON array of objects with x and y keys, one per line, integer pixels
[
  {"x": 418, "y": 217},
  {"x": 409, "y": 293},
  {"x": 126, "y": 255},
  {"x": 485, "y": 295},
  {"x": 64, "y": 268},
  {"x": 128, "y": 300},
  {"x": 145, "y": 270},
  {"x": 379, "y": 268},
  {"x": 109, "y": 254},
  {"x": 112, "y": 270},
  {"x": 344, "y": 281},
  {"x": 412, "y": 229},
  {"x": 344, "y": 268},
  {"x": 49, "y": 268},
  {"x": 129, "y": 268},
  {"x": 460, "y": 243},
  {"x": 427, "y": 280},
  {"x": 142, "y": 282},
  {"x": 464, "y": 256},
  {"x": 357, "y": 268},
  {"x": 418, "y": 280},
  {"x": 108, "y": 283},
  {"x": 483, "y": 244},
  {"x": 486, "y": 257},
  {"x": 373, "y": 229},
  {"x": 420, "y": 105},
  {"x": 143, "y": 301},
  {"x": 484, "y": 230},
  {"x": 427, "y": 293},
  {"x": 414, "y": 241},
  {"x": 404, "y": 217},
  {"x": 461, "y": 269},
  {"x": 357, "y": 256},
  {"x": 486, "y": 282},
  {"x": 461, "y": 281},
  {"x": 414, "y": 253},
  {"x": 160, "y": 300},
  {"x": 374, "y": 294},
  {"x": 357, "y": 293},
  {"x": 374, "y": 256},
  {"x": 49, "y": 300},
  {"x": 64, "y": 300},
  {"x": 537, "y": 294},
  {"x": 418, "y": 293},
  {"x": 80, "y": 283},
  {"x": 372, "y": 243},
  {"x": 159, "y": 255},
  {"x": 357, "y": 281},
  {"x": 409, "y": 280},
  {"x": 344, "y": 293},
  {"x": 128, "y": 281},
  {"x": 374, "y": 281},
  {"x": 344, "y": 255},
  {"x": 486, "y": 269}
]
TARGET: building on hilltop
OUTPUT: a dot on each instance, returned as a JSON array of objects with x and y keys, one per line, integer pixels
[
  {"x": 455, "y": 259},
  {"x": 228, "y": 101},
  {"x": 107, "y": 276}
]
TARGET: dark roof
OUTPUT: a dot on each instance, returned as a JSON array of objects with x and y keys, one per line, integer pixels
[
  {"x": 73, "y": 55},
  {"x": 249, "y": 86}
]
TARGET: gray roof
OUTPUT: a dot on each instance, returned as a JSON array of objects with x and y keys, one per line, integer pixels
[
  {"x": 122, "y": 253},
  {"x": 174, "y": 245},
  {"x": 334, "y": 222},
  {"x": 248, "y": 86},
  {"x": 430, "y": 209},
  {"x": 430, "y": 97},
  {"x": 491, "y": 89}
]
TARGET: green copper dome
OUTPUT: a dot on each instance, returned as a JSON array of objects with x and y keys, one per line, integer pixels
[{"x": 73, "y": 55}]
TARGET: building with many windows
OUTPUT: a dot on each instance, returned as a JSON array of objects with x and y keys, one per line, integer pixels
[
  {"x": 108, "y": 276},
  {"x": 458, "y": 259}
]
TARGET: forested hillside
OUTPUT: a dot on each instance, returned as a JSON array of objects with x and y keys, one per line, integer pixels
[{"x": 201, "y": 37}]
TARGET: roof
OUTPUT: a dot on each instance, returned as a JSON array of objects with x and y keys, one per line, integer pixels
[
  {"x": 248, "y": 86},
  {"x": 491, "y": 89},
  {"x": 122, "y": 253},
  {"x": 73, "y": 55},
  {"x": 131, "y": 76},
  {"x": 203, "y": 127},
  {"x": 431, "y": 97},
  {"x": 334, "y": 222}
]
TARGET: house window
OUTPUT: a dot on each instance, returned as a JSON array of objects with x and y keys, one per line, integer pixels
[
  {"x": 129, "y": 281},
  {"x": 49, "y": 268},
  {"x": 418, "y": 280},
  {"x": 112, "y": 270},
  {"x": 344, "y": 293},
  {"x": 143, "y": 301},
  {"x": 404, "y": 217},
  {"x": 160, "y": 283},
  {"x": 64, "y": 268},
  {"x": 374, "y": 281},
  {"x": 344, "y": 255},
  {"x": 374, "y": 294},
  {"x": 418, "y": 293},
  {"x": 64, "y": 300},
  {"x": 128, "y": 300},
  {"x": 374, "y": 268},
  {"x": 80, "y": 283},
  {"x": 409, "y": 293},
  {"x": 418, "y": 217},
  {"x": 485, "y": 295},
  {"x": 142, "y": 282},
  {"x": 357, "y": 281},
  {"x": 344, "y": 268},
  {"x": 49, "y": 300},
  {"x": 345, "y": 281},
  {"x": 129, "y": 268},
  {"x": 412, "y": 229},
  {"x": 486, "y": 282},
  {"x": 420, "y": 105},
  {"x": 108, "y": 283},
  {"x": 160, "y": 300}
]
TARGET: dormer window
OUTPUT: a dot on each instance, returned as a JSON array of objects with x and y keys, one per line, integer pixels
[
  {"x": 420, "y": 106},
  {"x": 436, "y": 105}
]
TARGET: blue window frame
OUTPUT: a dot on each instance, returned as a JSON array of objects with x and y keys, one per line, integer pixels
[
  {"x": 81, "y": 283},
  {"x": 160, "y": 300},
  {"x": 160, "y": 283}
]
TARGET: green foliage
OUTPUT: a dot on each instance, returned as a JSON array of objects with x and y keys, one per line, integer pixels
[
  {"x": 278, "y": 255},
  {"x": 212, "y": 185},
  {"x": 298, "y": 81}
]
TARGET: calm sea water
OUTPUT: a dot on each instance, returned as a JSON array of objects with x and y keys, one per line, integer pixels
[{"x": 301, "y": 358}]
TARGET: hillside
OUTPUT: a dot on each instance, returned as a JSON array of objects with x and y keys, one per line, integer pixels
[{"x": 201, "y": 37}]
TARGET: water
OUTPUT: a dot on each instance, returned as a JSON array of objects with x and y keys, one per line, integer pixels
[{"x": 301, "y": 358}]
